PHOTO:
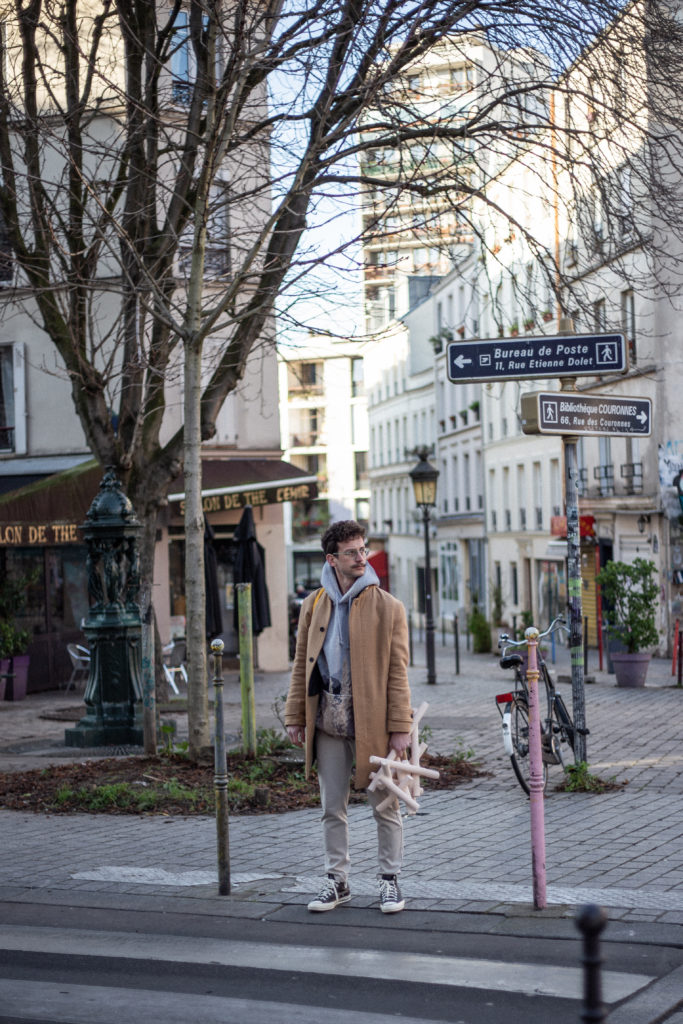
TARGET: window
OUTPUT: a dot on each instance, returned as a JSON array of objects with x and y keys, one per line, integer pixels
[
  {"x": 600, "y": 315},
  {"x": 7, "y": 439},
  {"x": 362, "y": 481},
  {"x": 448, "y": 574},
  {"x": 604, "y": 472},
  {"x": 6, "y": 255},
  {"x": 628, "y": 321},
  {"x": 183, "y": 60},
  {"x": 461, "y": 77},
  {"x": 555, "y": 487}
]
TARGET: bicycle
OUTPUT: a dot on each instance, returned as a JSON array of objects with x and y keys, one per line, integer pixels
[{"x": 557, "y": 728}]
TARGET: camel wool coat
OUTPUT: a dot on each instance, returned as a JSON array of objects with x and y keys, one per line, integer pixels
[{"x": 378, "y": 638}]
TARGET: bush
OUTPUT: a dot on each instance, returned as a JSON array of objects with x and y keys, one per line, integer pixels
[
  {"x": 480, "y": 628},
  {"x": 630, "y": 592}
]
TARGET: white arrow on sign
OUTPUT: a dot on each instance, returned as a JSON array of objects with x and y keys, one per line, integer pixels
[
  {"x": 460, "y": 361},
  {"x": 642, "y": 417}
]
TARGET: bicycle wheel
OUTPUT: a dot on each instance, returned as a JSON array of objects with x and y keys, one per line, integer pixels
[
  {"x": 519, "y": 731},
  {"x": 563, "y": 727}
]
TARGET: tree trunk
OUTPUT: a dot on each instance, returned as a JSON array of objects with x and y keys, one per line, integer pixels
[{"x": 197, "y": 685}]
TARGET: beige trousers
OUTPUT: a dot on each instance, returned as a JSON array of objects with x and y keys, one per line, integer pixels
[{"x": 335, "y": 757}]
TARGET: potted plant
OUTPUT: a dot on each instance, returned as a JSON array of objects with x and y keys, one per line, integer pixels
[
  {"x": 529, "y": 323},
  {"x": 630, "y": 592},
  {"x": 514, "y": 329},
  {"x": 13, "y": 660},
  {"x": 14, "y": 641},
  {"x": 547, "y": 316}
]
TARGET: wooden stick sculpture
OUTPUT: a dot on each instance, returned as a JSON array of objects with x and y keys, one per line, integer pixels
[{"x": 401, "y": 779}]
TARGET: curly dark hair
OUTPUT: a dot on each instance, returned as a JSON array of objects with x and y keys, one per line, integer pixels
[{"x": 339, "y": 533}]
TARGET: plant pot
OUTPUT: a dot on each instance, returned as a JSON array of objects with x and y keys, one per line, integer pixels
[
  {"x": 15, "y": 686},
  {"x": 631, "y": 669}
]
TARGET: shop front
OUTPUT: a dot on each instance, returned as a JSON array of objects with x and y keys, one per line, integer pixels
[
  {"x": 228, "y": 485},
  {"x": 41, "y": 539}
]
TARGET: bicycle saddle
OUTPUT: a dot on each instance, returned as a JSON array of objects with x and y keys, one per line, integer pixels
[{"x": 510, "y": 660}]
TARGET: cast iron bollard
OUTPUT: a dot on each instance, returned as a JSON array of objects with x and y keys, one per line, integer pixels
[
  {"x": 590, "y": 921},
  {"x": 113, "y": 695},
  {"x": 456, "y": 634},
  {"x": 220, "y": 772}
]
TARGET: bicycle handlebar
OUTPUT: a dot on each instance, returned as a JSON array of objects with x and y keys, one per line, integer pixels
[{"x": 557, "y": 623}]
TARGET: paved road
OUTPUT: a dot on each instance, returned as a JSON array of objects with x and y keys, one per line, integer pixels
[
  {"x": 467, "y": 854},
  {"x": 95, "y": 965}
]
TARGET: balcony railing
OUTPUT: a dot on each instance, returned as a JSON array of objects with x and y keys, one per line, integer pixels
[
  {"x": 303, "y": 389},
  {"x": 632, "y": 475},
  {"x": 310, "y": 440},
  {"x": 605, "y": 477},
  {"x": 379, "y": 271}
]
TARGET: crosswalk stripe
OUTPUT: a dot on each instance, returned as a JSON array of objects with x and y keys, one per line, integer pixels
[
  {"x": 63, "y": 1003},
  {"x": 461, "y": 972}
]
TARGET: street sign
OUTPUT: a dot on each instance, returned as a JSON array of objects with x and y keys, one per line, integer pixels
[
  {"x": 564, "y": 412},
  {"x": 573, "y": 355}
]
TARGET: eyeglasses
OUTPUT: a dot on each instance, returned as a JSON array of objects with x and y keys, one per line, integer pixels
[{"x": 354, "y": 553}]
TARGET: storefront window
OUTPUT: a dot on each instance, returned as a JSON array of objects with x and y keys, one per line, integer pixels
[{"x": 225, "y": 558}]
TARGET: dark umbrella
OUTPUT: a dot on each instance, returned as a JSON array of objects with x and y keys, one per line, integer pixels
[
  {"x": 214, "y": 619},
  {"x": 250, "y": 567}
]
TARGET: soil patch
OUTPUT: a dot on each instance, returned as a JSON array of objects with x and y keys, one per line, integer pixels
[{"x": 170, "y": 785}]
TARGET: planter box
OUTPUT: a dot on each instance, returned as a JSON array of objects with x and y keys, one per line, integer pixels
[{"x": 631, "y": 669}]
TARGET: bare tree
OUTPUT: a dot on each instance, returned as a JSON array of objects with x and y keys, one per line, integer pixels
[{"x": 160, "y": 164}]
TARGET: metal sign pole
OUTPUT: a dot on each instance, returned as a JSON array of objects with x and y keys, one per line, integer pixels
[{"x": 574, "y": 595}]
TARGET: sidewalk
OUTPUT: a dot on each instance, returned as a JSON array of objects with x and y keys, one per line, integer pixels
[{"x": 467, "y": 851}]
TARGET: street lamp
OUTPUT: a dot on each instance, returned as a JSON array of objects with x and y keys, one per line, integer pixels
[{"x": 424, "y": 476}]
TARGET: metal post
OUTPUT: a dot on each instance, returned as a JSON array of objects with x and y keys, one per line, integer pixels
[
  {"x": 590, "y": 921},
  {"x": 410, "y": 635},
  {"x": 679, "y": 681},
  {"x": 246, "y": 669},
  {"x": 429, "y": 624},
  {"x": 443, "y": 631},
  {"x": 585, "y": 644},
  {"x": 149, "y": 718},
  {"x": 536, "y": 774},
  {"x": 456, "y": 631},
  {"x": 220, "y": 772},
  {"x": 574, "y": 588},
  {"x": 677, "y": 629}
]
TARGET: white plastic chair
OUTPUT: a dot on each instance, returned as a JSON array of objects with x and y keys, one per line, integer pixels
[
  {"x": 80, "y": 665},
  {"x": 174, "y": 657}
]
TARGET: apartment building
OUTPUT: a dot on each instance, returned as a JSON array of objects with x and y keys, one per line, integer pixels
[
  {"x": 47, "y": 476},
  {"x": 584, "y": 208},
  {"x": 324, "y": 428}
]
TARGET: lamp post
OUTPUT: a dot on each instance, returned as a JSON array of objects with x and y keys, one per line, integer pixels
[{"x": 424, "y": 477}]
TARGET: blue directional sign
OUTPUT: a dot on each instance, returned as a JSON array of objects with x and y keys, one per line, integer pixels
[
  {"x": 566, "y": 412},
  {"x": 573, "y": 355}
]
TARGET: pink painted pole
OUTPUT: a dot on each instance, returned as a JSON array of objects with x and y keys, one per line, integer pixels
[{"x": 535, "y": 774}]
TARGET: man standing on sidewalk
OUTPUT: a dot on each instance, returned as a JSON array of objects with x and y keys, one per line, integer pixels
[{"x": 349, "y": 697}]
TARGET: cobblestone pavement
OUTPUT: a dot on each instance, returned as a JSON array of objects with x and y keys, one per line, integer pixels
[{"x": 467, "y": 849}]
